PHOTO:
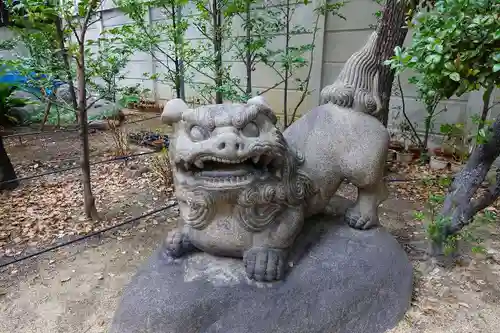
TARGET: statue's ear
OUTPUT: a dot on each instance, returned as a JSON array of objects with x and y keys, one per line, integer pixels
[
  {"x": 173, "y": 110},
  {"x": 258, "y": 100}
]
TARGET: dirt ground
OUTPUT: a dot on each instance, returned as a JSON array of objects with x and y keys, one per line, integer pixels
[{"x": 76, "y": 288}]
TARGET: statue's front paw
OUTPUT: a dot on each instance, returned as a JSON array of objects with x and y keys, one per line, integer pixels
[
  {"x": 177, "y": 244},
  {"x": 358, "y": 221},
  {"x": 265, "y": 264}
]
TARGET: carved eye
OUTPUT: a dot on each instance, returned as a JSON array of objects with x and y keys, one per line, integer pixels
[
  {"x": 250, "y": 130},
  {"x": 198, "y": 133}
]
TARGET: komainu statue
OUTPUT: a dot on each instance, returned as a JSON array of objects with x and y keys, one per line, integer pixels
[
  {"x": 248, "y": 190},
  {"x": 245, "y": 189}
]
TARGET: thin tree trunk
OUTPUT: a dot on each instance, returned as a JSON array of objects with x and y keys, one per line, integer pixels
[
  {"x": 176, "y": 53},
  {"x": 217, "y": 26},
  {"x": 7, "y": 172},
  {"x": 287, "y": 45},
  {"x": 181, "y": 57},
  {"x": 89, "y": 200},
  {"x": 58, "y": 117},
  {"x": 391, "y": 33},
  {"x": 67, "y": 68},
  {"x": 46, "y": 113},
  {"x": 248, "y": 42}
]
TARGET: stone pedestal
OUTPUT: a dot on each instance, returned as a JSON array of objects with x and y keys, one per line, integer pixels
[{"x": 341, "y": 280}]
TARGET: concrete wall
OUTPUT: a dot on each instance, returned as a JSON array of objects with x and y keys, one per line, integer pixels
[{"x": 337, "y": 39}]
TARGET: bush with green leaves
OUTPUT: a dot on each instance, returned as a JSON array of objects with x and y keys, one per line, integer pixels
[
  {"x": 455, "y": 48},
  {"x": 8, "y": 102}
]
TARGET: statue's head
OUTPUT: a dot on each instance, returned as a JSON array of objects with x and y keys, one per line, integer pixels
[
  {"x": 233, "y": 154},
  {"x": 224, "y": 146}
]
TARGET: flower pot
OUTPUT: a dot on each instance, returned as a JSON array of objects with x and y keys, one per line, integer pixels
[
  {"x": 438, "y": 163},
  {"x": 416, "y": 152},
  {"x": 404, "y": 157}
]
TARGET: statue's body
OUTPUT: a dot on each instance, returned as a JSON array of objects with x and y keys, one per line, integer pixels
[
  {"x": 244, "y": 188},
  {"x": 247, "y": 190}
]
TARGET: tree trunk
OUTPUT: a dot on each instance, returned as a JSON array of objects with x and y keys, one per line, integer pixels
[
  {"x": 287, "y": 69},
  {"x": 7, "y": 172},
  {"x": 46, "y": 113},
  {"x": 459, "y": 204},
  {"x": 179, "y": 89},
  {"x": 67, "y": 68},
  {"x": 89, "y": 201},
  {"x": 181, "y": 58},
  {"x": 391, "y": 33},
  {"x": 217, "y": 26},
  {"x": 248, "y": 42}
]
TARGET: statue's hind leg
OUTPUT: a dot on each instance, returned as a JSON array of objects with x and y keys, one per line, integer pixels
[{"x": 364, "y": 214}]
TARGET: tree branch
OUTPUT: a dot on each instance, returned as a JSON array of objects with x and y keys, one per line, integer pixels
[
  {"x": 485, "y": 200},
  {"x": 308, "y": 77},
  {"x": 270, "y": 88},
  {"x": 403, "y": 105},
  {"x": 85, "y": 25},
  {"x": 75, "y": 33}
]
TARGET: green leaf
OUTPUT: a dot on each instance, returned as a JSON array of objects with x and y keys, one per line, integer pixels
[
  {"x": 496, "y": 68},
  {"x": 455, "y": 76},
  {"x": 449, "y": 66}
]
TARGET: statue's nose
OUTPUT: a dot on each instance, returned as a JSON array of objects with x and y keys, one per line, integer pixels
[{"x": 229, "y": 144}]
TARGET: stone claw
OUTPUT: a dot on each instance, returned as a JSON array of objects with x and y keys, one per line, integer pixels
[
  {"x": 357, "y": 221},
  {"x": 265, "y": 264},
  {"x": 177, "y": 244}
]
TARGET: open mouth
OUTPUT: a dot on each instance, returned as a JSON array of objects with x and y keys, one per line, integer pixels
[{"x": 213, "y": 169}]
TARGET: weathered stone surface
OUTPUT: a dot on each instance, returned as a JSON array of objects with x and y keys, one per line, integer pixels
[
  {"x": 244, "y": 188},
  {"x": 343, "y": 281}
]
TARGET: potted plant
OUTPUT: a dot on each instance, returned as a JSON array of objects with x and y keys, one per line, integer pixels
[
  {"x": 457, "y": 141},
  {"x": 438, "y": 162},
  {"x": 405, "y": 156}
]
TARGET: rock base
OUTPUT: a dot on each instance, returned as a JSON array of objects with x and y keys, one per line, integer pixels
[{"x": 341, "y": 280}]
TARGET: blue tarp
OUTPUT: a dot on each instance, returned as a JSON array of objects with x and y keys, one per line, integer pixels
[{"x": 14, "y": 77}]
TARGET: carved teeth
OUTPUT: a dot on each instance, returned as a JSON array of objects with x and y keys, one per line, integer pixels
[
  {"x": 186, "y": 165},
  {"x": 255, "y": 159},
  {"x": 199, "y": 164}
]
